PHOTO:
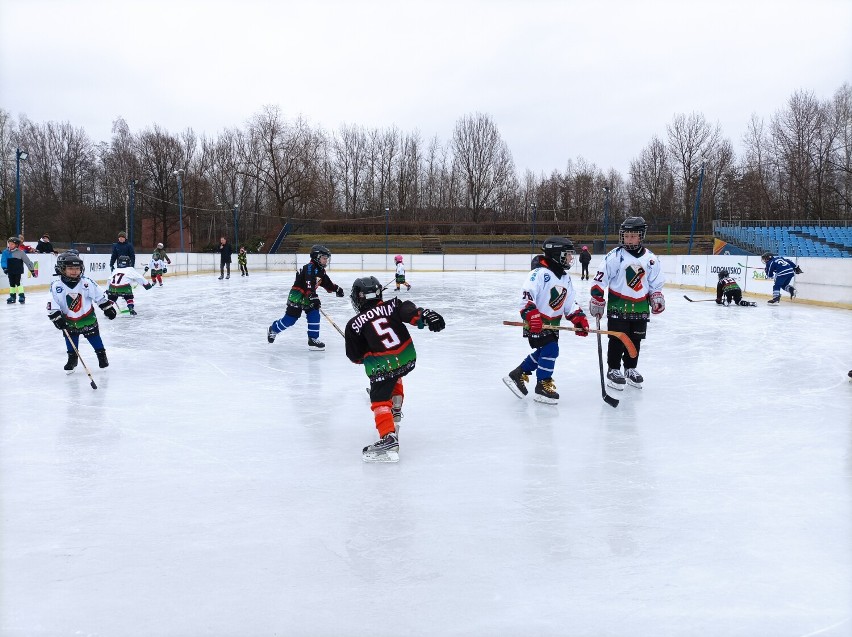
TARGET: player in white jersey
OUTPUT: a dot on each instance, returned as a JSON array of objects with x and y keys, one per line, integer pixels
[
  {"x": 400, "y": 273},
  {"x": 635, "y": 280},
  {"x": 121, "y": 283},
  {"x": 71, "y": 307},
  {"x": 546, "y": 297}
]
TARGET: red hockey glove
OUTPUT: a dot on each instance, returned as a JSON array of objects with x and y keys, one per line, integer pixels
[
  {"x": 579, "y": 320},
  {"x": 534, "y": 321},
  {"x": 658, "y": 303}
]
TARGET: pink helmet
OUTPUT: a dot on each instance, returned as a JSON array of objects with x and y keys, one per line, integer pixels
[
  {"x": 585, "y": 247},
  {"x": 397, "y": 258}
]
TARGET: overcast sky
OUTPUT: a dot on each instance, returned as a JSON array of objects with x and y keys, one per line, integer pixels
[{"x": 562, "y": 80}]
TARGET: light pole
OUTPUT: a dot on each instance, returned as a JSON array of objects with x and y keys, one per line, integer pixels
[
  {"x": 133, "y": 183},
  {"x": 532, "y": 242},
  {"x": 179, "y": 172},
  {"x": 236, "y": 226},
  {"x": 19, "y": 155},
  {"x": 387, "y": 229},
  {"x": 606, "y": 216},
  {"x": 697, "y": 203}
]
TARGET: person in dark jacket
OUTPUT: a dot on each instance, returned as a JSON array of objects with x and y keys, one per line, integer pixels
[
  {"x": 225, "y": 251},
  {"x": 585, "y": 259},
  {"x": 122, "y": 248},
  {"x": 44, "y": 246},
  {"x": 13, "y": 266}
]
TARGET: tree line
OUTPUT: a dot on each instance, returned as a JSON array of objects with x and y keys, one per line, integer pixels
[{"x": 275, "y": 170}]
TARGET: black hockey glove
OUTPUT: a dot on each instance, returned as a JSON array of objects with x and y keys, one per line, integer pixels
[
  {"x": 433, "y": 320},
  {"x": 315, "y": 303},
  {"x": 148, "y": 286},
  {"x": 339, "y": 292},
  {"x": 146, "y": 269},
  {"x": 58, "y": 320},
  {"x": 109, "y": 309},
  {"x": 798, "y": 270}
]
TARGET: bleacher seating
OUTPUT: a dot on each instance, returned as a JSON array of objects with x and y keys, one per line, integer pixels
[{"x": 795, "y": 240}]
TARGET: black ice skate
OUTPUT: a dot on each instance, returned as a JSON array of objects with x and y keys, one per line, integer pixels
[
  {"x": 102, "y": 358},
  {"x": 545, "y": 392},
  {"x": 633, "y": 378},
  {"x": 790, "y": 289},
  {"x": 517, "y": 382},
  {"x": 774, "y": 300},
  {"x": 315, "y": 345},
  {"x": 11, "y": 299},
  {"x": 615, "y": 379},
  {"x": 22, "y": 299},
  {"x": 270, "y": 335},
  {"x": 383, "y": 450},
  {"x": 132, "y": 311},
  {"x": 72, "y": 362}
]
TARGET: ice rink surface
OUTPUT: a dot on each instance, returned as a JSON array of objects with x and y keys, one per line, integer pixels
[{"x": 213, "y": 483}]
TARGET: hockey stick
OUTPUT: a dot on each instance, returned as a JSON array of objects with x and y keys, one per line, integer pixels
[
  {"x": 80, "y": 358},
  {"x": 624, "y": 338},
  {"x": 696, "y": 300},
  {"x": 751, "y": 267},
  {"x": 609, "y": 400},
  {"x": 333, "y": 324}
]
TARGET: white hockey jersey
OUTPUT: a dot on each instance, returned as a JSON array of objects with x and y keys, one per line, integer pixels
[
  {"x": 553, "y": 296},
  {"x": 76, "y": 303},
  {"x": 400, "y": 270},
  {"x": 156, "y": 265},
  {"x": 631, "y": 280},
  {"x": 122, "y": 280}
]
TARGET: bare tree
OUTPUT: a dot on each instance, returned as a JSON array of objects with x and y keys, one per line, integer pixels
[
  {"x": 483, "y": 159},
  {"x": 690, "y": 140}
]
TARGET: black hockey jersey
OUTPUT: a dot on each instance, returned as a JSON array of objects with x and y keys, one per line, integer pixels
[{"x": 379, "y": 339}]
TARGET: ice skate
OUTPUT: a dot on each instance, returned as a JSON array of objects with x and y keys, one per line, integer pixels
[
  {"x": 221, "y": 277},
  {"x": 11, "y": 299},
  {"x": 517, "y": 381},
  {"x": 407, "y": 286},
  {"x": 270, "y": 335},
  {"x": 132, "y": 311},
  {"x": 774, "y": 300},
  {"x": 790, "y": 289},
  {"x": 72, "y": 362},
  {"x": 545, "y": 392},
  {"x": 228, "y": 277},
  {"x": 102, "y": 358},
  {"x": 315, "y": 345},
  {"x": 22, "y": 299},
  {"x": 633, "y": 378},
  {"x": 384, "y": 450},
  {"x": 615, "y": 379}
]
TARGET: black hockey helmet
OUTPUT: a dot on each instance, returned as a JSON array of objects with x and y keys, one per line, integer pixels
[
  {"x": 15, "y": 240},
  {"x": 366, "y": 293},
  {"x": 66, "y": 260},
  {"x": 632, "y": 224},
  {"x": 766, "y": 256},
  {"x": 724, "y": 274},
  {"x": 317, "y": 251},
  {"x": 559, "y": 249},
  {"x": 123, "y": 261}
]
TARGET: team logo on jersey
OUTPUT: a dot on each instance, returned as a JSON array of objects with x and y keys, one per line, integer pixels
[
  {"x": 634, "y": 277},
  {"x": 74, "y": 301},
  {"x": 557, "y": 297},
  {"x": 546, "y": 278}
]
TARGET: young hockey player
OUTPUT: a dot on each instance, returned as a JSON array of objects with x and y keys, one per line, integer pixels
[
  {"x": 728, "y": 291},
  {"x": 121, "y": 283},
  {"x": 242, "y": 261},
  {"x": 400, "y": 273},
  {"x": 157, "y": 267},
  {"x": 13, "y": 260},
  {"x": 377, "y": 337},
  {"x": 783, "y": 271},
  {"x": 635, "y": 280},
  {"x": 547, "y": 295},
  {"x": 303, "y": 297},
  {"x": 72, "y": 307}
]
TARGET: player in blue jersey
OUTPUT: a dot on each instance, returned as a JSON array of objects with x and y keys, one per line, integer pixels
[
  {"x": 303, "y": 298},
  {"x": 783, "y": 271}
]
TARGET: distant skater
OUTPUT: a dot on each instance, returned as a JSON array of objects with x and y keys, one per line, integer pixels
[{"x": 400, "y": 273}]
